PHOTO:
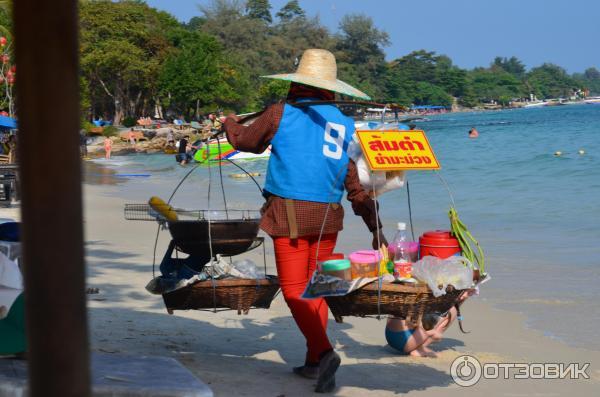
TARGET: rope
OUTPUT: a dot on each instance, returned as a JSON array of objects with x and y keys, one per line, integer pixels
[
  {"x": 154, "y": 252},
  {"x": 327, "y": 211},
  {"x": 221, "y": 176},
  {"x": 412, "y": 230},
  {"x": 447, "y": 187},
  {"x": 210, "y": 247},
  {"x": 380, "y": 281},
  {"x": 247, "y": 173},
  {"x": 160, "y": 224}
]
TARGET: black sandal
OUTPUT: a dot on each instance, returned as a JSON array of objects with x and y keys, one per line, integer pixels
[{"x": 328, "y": 365}]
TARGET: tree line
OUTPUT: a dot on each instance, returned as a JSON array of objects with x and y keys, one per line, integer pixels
[{"x": 137, "y": 61}]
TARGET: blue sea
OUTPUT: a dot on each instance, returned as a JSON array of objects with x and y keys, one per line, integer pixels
[{"x": 536, "y": 215}]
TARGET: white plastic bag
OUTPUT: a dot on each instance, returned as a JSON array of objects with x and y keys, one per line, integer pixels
[
  {"x": 221, "y": 268},
  {"x": 248, "y": 269},
  {"x": 440, "y": 273},
  {"x": 10, "y": 274},
  {"x": 383, "y": 181}
]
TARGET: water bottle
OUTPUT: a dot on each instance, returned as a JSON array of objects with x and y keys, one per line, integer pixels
[{"x": 402, "y": 257}]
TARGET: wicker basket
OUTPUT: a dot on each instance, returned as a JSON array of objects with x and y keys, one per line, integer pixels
[
  {"x": 234, "y": 294},
  {"x": 399, "y": 300}
]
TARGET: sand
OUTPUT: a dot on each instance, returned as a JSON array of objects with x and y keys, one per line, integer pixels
[{"x": 252, "y": 355}]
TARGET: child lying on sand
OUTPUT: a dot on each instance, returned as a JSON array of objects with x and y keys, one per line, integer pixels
[{"x": 412, "y": 340}]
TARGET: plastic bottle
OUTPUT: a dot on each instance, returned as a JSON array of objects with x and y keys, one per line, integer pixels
[{"x": 402, "y": 259}]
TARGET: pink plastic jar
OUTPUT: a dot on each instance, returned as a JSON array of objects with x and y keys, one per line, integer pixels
[{"x": 364, "y": 263}]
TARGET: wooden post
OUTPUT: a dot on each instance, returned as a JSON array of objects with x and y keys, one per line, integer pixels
[{"x": 50, "y": 167}]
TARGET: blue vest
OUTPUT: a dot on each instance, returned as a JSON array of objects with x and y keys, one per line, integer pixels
[{"x": 308, "y": 154}]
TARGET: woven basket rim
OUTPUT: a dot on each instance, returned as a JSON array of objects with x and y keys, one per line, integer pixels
[
  {"x": 419, "y": 288},
  {"x": 237, "y": 282}
]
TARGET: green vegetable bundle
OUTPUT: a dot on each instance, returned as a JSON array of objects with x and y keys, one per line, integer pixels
[{"x": 469, "y": 246}]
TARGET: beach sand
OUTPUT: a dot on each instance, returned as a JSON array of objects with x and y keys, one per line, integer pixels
[{"x": 252, "y": 355}]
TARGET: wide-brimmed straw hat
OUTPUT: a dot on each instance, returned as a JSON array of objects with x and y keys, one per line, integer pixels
[{"x": 317, "y": 68}]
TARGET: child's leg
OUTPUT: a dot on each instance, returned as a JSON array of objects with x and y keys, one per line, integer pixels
[
  {"x": 416, "y": 345},
  {"x": 406, "y": 339}
]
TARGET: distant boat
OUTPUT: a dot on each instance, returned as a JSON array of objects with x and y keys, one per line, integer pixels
[
  {"x": 592, "y": 101},
  {"x": 535, "y": 104}
]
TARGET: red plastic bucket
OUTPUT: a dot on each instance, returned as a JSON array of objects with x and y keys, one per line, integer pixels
[{"x": 439, "y": 243}]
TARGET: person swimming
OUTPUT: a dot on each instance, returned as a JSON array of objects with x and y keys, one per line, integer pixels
[{"x": 473, "y": 133}]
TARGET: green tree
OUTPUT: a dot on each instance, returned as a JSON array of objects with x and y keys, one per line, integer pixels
[
  {"x": 122, "y": 47},
  {"x": 494, "y": 84},
  {"x": 196, "y": 76},
  {"x": 361, "y": 59},
  {"x": 510, "y": 65},
  {"x": 450, "y": 78},
  {"x": 259, "y": 49},
  {"x": 259, "y": 9},
  {"x": 244, "y": 39},
  {"x": 589, "y": 79},
  {"x": 290, "y": 10},
  {"x": 551, "y": 81},
  {"x": 429, "y": 94},
  {"x": 195, "y": 23},
  {"x": 405, "y": 74}
]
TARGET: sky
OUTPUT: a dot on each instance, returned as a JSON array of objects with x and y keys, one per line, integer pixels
[{"x": 470, "y": 32}]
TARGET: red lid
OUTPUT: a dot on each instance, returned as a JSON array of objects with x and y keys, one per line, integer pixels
[
  {"x": 437, "y": 234},
  {"x": 438, "y": 237}
]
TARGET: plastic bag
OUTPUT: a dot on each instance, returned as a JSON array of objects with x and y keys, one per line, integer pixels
[
  {"x": 382, "y": 181},
  {"x": 10, "y": 274},
  {"x": 440, "y": 273},
  {"x": 248, "y": 269}
]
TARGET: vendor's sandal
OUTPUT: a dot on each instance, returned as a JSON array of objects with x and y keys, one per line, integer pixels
[
  {"x": 328, "y": 365},
  {"x": 306, "y": 371}
]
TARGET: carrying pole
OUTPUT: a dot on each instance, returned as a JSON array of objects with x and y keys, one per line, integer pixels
[{"x": 51, "y": 206}]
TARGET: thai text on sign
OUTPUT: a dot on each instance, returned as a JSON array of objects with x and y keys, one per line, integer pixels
[{"x": 397, "y": 150}]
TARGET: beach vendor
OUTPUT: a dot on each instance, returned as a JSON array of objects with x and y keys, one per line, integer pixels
[{"x": 307, "y": 173}]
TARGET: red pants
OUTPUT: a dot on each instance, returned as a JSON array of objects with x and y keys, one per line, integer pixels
[{"x": 296, "y": 261}]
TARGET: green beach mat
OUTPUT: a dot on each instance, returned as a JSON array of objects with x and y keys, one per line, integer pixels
[{"x": 12, "y": 329}]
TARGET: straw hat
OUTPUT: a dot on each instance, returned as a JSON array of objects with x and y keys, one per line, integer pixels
[{"x": 318, "y": 68}]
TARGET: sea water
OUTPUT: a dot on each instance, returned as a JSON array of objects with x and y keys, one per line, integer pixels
[{"x": 536, "y": 215}]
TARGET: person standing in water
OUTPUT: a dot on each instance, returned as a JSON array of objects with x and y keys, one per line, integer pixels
[
  {"x": 307, "y": 172},
  {"x": 107, "y": 147},
  {"x": 473, "y": 133}
]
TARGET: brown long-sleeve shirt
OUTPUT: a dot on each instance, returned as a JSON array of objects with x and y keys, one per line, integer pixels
[{"x": 310, "y": 215}]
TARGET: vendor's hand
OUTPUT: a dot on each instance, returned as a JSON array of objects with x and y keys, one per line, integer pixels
[{"x": 376, "y": 244}]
